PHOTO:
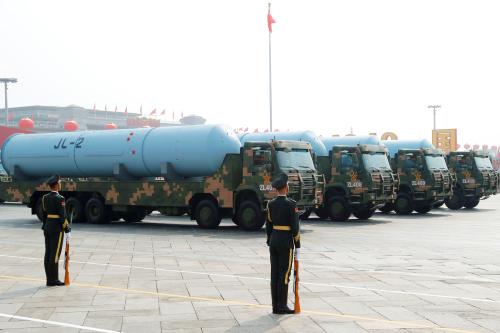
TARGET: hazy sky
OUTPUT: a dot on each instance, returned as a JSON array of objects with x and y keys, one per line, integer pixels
[{"x": 372, "y": 65}]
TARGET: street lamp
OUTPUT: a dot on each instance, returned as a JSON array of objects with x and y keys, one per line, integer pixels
[
  {"x": 434, "y": 107},
  {"x": 5, "y": 82}
]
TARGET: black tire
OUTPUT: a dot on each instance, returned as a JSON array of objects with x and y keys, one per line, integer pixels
[
  {"x": 455, "y": 202},
  {"x": 207, "y": 214},
  {"x": 403, "y": 204},
  {"x": 387, "y": 208},
  {"x": 74, "y": 206},
  {"x": 471, "y": 203},
  {"x": 137, "y": 215},
  {"x": 249, "y": 216},
  {"x": 305, "y": 215},
  {"x": 437, "y": 205},
  {"x": 339, "y": 209},
  {"x": 322, "y": 213},
  {"x": 424, "y": 209},
  {"x": 39, "y": 209},
  {"x": 363, "y": 214},
  {"x": 96, "y": 212}
]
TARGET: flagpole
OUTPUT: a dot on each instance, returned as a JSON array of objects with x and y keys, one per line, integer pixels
[{"x": 270, "y": 81}]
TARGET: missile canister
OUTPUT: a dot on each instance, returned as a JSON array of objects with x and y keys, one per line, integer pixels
[
  {"x": 144, "y": 152},
  {"x": 394, "y": 145},
  {"x": 307, "y": 136},
  {"x": 350, "y": 140}
]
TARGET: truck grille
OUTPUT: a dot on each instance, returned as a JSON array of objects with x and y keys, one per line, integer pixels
[
  {"x": 301, "y": 186},
  {"x": 382, "y": 182},
  {"x": 442, "y": 181},
  {"x": 489, "y": 179}
]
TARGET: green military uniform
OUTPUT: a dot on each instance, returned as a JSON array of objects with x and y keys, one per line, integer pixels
[
  {"x": 54, "y": 224},
  {"x": 283, "y": 234}
]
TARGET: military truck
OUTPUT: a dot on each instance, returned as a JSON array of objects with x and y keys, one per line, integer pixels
[
  {"x": 239, "y": 188},
  {"x": 424, "y": 178},
  {"x": 358, "y": 178},
  {"x": 475, "y": 176}
]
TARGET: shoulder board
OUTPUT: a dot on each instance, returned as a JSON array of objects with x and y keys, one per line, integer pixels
[{"x": 291, "y": 200}]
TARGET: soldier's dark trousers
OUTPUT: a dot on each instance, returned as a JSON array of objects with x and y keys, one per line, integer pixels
[
  {"x": 281, "y": 266},
  {"x": 53, "y": 247}
]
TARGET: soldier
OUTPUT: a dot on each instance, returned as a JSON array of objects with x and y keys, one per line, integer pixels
[
  {"x": 282, "y": 227},
  {"x": 54, "y": 223}
]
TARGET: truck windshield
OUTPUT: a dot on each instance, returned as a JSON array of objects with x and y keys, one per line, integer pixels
[
  {"x": 295, "y": 159},
  {"x": 483, "y": 162},
  {"x": 436, "y": 162},
  {"x": 375, "y": 161}
]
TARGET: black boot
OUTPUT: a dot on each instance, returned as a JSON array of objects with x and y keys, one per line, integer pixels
[
  {"x": 283, "y": 300},
  {"x": 54, "y": 276}
]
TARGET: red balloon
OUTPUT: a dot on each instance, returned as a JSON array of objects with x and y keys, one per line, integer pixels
[
  {"x": 26, "y": 123},
  {"x": 110, "y": 126},
  {"x": 71, "y": 125}
]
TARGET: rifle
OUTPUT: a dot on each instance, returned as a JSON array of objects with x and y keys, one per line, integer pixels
[
  {"x": 296, "y": 307},
  {"x": 66, "y": 255}
]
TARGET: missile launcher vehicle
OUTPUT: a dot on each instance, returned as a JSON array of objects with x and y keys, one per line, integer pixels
[{"x": 203, "y": 171}]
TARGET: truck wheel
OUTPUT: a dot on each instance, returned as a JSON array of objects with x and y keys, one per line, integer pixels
[
  {"x": 207, "y": 215},
  {"x": 339, "y": 209},
  {"x": 437, "y": 205},
  {"x": 137, "y": 215},
  {"x": 454, "y": 202},
  {"x": 322, "y": 213},
  {"x": 250, "y": 216},
  {"x": 73, "y": 205},
  {"x": 39, "y": 209},
  {"x": 305, "y": 215},
  {"x": 424, "y": 209},
  {"x": 387, "y": 208},
  {"x": 403, "y": 204},
  {"x": 363, "y": 214},
  {"x": 471, "y": 203},
  {"x": 96, "y": 212}
]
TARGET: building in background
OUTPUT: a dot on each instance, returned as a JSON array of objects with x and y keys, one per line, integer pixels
[
  {"x": 40, "y": 119},
  {"x": 445, "y": 139}
]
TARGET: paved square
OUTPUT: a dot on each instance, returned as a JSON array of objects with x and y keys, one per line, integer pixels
[{"x": 438, "y": 272}]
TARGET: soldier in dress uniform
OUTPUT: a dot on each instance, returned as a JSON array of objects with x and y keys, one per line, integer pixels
[
  {"x": 282, "y": 227},
  {"x": 54, "y": 224}
]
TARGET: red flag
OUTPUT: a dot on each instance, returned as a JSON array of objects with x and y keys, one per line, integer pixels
[
  {"x": 153, "y": 112},
  {"x": 162, "y": 113},
  {"x": 270, "y": 19}
]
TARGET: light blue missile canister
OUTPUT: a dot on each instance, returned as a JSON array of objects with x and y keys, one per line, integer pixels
[
  {"x": 350, "y": 140},
  {"x": 394, "y": 145},
  {"x": 144, "y": 152},
  {"x": 307, "y": 136}
]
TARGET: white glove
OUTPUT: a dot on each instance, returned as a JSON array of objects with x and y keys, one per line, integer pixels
[
  {"x": 297, "y": 254},
  {"x": 68, "y": 236}
]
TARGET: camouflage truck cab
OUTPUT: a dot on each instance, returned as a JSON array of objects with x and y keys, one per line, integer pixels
[
  {"x": 475, "y": 176},
  {"x": 240, "y": 189},
  {"x": 358, "y": 180},
  {"x": 424, "y": 178}
]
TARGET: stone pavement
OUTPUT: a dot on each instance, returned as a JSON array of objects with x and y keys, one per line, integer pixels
[{"x": 434, "y": 273}]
